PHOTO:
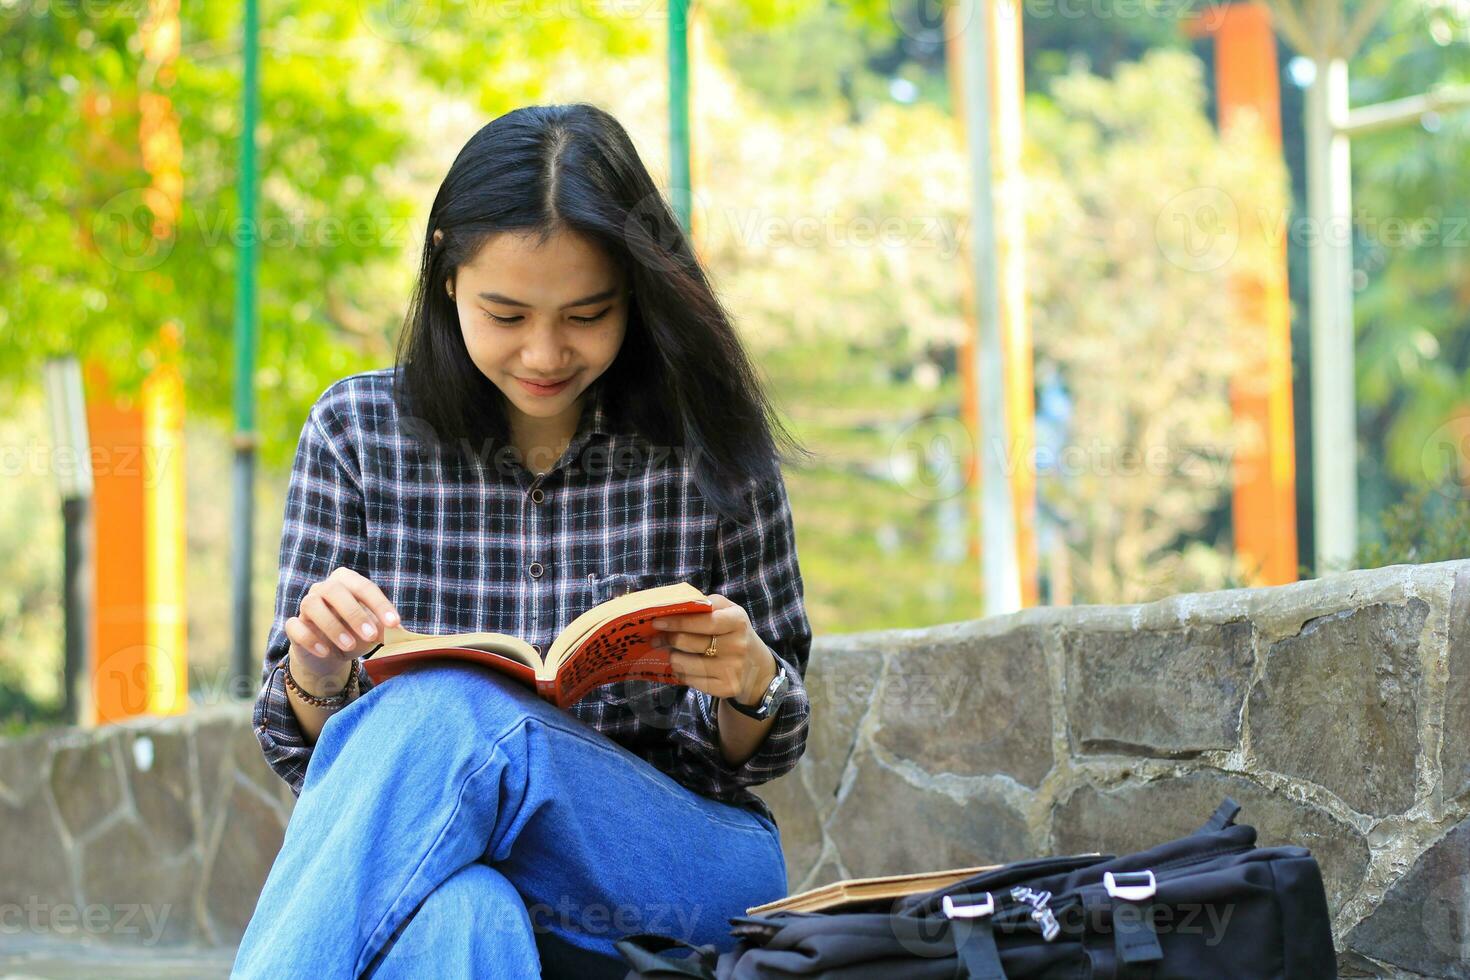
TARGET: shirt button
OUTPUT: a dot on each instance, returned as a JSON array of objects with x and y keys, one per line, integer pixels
[
  {"x": 536, "y": 569},
  {"x": 538, "y": 495}
]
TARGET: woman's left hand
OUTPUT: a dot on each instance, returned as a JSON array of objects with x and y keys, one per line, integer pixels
[{"x": 742, "y": 666}]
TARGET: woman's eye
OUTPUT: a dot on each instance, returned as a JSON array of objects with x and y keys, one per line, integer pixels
[{"x": 517, "y": 319}]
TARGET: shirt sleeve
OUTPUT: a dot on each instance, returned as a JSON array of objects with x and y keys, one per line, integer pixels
[
  {"x": 322, "y": 529},
  {"x": 756, "y": 567}
]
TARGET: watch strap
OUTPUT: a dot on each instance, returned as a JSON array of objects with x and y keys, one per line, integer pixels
[{"x": 765, "y": 707}]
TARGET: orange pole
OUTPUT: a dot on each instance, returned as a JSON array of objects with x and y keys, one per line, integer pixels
[
  {"x": 140, "y": 625},
  {"x": 1264, "y": 504},
  {"x": 120, "y": 615}
]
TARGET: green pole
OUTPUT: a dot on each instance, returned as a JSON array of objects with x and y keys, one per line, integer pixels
[
  {"x": 679, "y": 109},
  {"x": 245, "y": 437}
]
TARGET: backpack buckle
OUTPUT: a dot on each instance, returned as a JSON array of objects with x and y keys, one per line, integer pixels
[
  {"x": 976, "y": 910},
  {"x": 1131, "y": 886}
]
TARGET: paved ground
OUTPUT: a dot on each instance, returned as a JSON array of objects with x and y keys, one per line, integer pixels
[{"x": 23, "y": 957}]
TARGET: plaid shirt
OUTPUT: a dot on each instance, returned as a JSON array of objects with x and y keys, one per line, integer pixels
[{"x": 484, "y": 544}]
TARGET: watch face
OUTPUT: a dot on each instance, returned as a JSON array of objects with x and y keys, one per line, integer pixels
[{"x": 777, "y": 688}]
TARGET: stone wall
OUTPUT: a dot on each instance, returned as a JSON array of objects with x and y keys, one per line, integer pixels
[
  {"x": 157, "y": 832},
  {"x": 1336, "y": 711}
]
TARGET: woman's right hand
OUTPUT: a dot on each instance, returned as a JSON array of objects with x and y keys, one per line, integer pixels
[{"x": 341, "y": 617}]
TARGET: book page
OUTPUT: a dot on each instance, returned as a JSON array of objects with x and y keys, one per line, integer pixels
[
  {"x": 381, "y": 670},
  {"x": 398, "y": 641}
]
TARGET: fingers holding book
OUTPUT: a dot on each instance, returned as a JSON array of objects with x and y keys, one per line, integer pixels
[
  {"x": 740, "y": 663},
  {"x": 340, "y": 618}
]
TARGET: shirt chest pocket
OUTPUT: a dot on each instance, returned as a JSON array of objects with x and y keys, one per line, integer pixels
[{"x": 613, "y": 584}]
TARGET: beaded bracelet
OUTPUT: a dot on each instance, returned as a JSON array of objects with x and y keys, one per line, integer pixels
[{"x": 337, "y": 700}]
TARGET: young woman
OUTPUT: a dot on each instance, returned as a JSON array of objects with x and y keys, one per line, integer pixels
[{"x": 571, "y": 416}]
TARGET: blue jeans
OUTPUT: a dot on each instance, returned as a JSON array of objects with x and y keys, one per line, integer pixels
[{"x": 448, "y": 817}]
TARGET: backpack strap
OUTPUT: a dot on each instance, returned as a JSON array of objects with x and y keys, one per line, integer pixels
[
  {"x": 1134, "y": 941},
  {"x": 640, "y": 951},
  {"x": 1223, "y": 817},
  {"x": 974, "y": 935}
]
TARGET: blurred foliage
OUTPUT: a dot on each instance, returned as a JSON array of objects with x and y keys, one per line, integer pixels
[
  {"x": 1411, "y": 202},
  {"x": 1431, "y": 523},
  {"x": 342, "y": 167},
  {"x": 1130, "y": 304}
]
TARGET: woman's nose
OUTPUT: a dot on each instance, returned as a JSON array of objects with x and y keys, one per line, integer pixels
[{"x": 544, "y": 351}]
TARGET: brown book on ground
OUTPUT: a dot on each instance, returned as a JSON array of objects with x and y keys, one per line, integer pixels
[
  {"x": 853, "y": 891},
  {"x": 612, "y": 641}
]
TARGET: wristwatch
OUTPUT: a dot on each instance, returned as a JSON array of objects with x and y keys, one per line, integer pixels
[{"x": 774, "y": 690}]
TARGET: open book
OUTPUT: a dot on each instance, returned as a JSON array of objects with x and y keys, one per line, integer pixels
[
  {"x": 612, "y": 641},
  {"x": 855, "y": 891}
]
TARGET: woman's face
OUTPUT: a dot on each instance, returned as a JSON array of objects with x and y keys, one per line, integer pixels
[{"x": 556, "y": 312}]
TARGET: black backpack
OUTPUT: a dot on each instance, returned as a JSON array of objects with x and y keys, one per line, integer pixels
[{"x": 1211, "y": 904}]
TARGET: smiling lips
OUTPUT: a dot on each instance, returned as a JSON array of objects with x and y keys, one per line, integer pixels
[{"x": 543, "y": 389}]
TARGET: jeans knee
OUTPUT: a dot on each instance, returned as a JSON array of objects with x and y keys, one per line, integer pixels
[
  {"x": 431, "y": 702},
  {"x": 479, "y": 893}
]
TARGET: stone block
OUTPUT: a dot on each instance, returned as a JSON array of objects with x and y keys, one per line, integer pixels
[
  {"x": 1423, "y": 923},
  {"x": 159, "y": 769},
  {"x": 241, "y": 860},
  {"x": 1337, "y": 704},
  {"x": 841, "y": 684},
  {"x": 35, "y": 865},
  {"x": 970, "y": 705},
  {"x": 1455, "y": 755},
  {"x": 796, "y": 816},
  {"x": 87, "y": 782},
  {"x": 886, "y": 826},
  {"x": 137, "y": 900},
  {"x": 1166, "y": 692}
]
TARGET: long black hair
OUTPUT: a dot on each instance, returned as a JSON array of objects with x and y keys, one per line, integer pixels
[{"x": 682, "y": 377}]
